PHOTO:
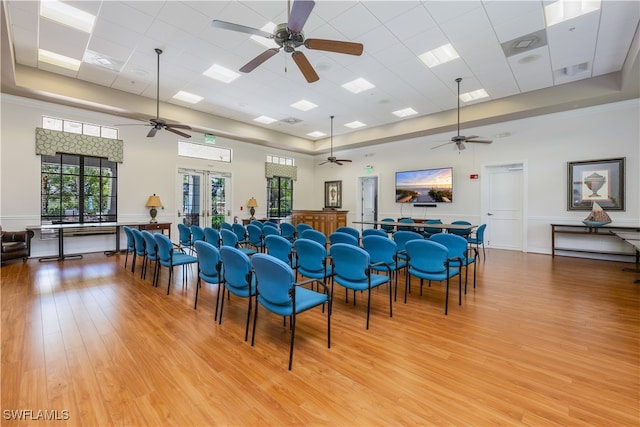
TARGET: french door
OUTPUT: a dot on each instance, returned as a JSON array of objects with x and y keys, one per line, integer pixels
[{"x": 202, "y": 198}]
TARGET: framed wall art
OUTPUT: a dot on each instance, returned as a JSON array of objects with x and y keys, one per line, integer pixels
[
  {"x": 333, "y": 194},
  {"x": 599, "y": 181}
]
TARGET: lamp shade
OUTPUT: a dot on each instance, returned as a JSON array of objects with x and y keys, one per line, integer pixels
[
  {"x": 252, "y": 203},
  {"x": 153, "y": 202}
]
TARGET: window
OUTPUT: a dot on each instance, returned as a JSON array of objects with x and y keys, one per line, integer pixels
[
  {"x": 78, "y": 189},
  {"x": 279, "y": 196},
  {"x": 204, "y": 151},
  {"x": 71, "y": 126}
]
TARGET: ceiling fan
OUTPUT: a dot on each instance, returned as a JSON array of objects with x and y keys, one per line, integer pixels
[
  {"x": 157, "y": 123},
  {"x": 332, "y": 158},
  {"x": 289, "y": 36},
  {"x": 459, "y": 140}
]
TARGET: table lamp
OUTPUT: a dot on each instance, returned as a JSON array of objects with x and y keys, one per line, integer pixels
[
  {"x": 153, "y": 202},
  {"x": 252, "y": 204}
]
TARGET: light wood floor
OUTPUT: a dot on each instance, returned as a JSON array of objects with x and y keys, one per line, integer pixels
[{"x": 541, "y": 341}]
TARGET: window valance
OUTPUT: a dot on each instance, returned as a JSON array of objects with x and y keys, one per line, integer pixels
[
  {"x": 50, "y": 142},
  {"x": 286, "y": 171}
]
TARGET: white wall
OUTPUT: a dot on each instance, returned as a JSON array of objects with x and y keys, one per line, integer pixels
[{"x": 545, "y": 144}]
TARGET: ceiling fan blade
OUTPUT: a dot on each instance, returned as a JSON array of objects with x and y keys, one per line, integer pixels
[
  {"x": 337, "y": 46},
  {"x": 442, "y": 145},
  {"x": 178, "y": 126},
  {"x": 305, "y": 67},
  {"x": 240, "y": 28},
  {"x": 300, "y": 11},
  {"x": 152, "y": 132},
  {"x": 337, "y": 162},
  {"x": 258, "y": 60},
  {"x": 326, "y": 161},
  {"x": 344, "y": 160},
  {"x": 177, "y": 132},
  {"x": 481, "y": 141}
]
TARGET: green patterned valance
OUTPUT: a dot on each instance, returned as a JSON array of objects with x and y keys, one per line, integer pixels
[
  {"x": 286, "y": 171},
  {"x": 50, "y": 142}
]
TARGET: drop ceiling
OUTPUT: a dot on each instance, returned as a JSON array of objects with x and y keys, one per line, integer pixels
[{"x": 505, "y": 48}]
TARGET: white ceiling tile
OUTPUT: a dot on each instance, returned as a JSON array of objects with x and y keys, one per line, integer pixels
[
  {"x": 573, "y": 42},
  {"x": 415, "y": 21},
  {"x": 98, "y": 75},
  {"x": 444, "y": 11},
  {"x": 132, "y": 18},
  {"x": 520, "y": 26},
  {"x": 386, "y": 10},
  {"x": 62, "y": 40}
]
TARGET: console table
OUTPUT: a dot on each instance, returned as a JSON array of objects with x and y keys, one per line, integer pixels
[
  {"x": 325, "y": 221},
  {"x": 604, "y": 232}
]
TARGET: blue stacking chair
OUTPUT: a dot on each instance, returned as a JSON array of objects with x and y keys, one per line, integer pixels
[
  {"x": 257, "y": 223},
  {"x": 288, "y": 231},
  {"x": 311, "y": 260},
  {"x": 131, "y": 244},
  {"x": 237, "y": 279},
  {"x": 229, "y": 238},
  {"x": 211, "y": 235},
  {"x": 464, "y": 233},
  {"x": 151, "y": 248},
  {"x": 301, "y": 227},
  {"x": 430, "y": 231},
  {"x": 281, "y": 248},
  {"x": 197, "y": 233},
  {"x": 226, "y": 226},
  {"x": 406, "y": 227},
  {"x": 429, "y": 260},
  {"x": 340, "y": 237},
  {"x": 373, "y": 232},
  {"x": 477, "y": 238},
  {"x": 168, "y": 257},
  {"x": 314, "y": 235},
  {"x": 389, "y": 229},
  {"x": 209, "y": 268},
  {"x": 458, "y": 254},
  {"x": 241, "y": 232},
  {"x": 402, "y": 237},
  {"x": 384, "y": 255},
  {"x": 271, "y": 224},
  {"x": 352, "y": 269},
  {"x": 269, "y": 230},
  {"x": 140, "y": 250},
  {"x": 278, "y": 293},
  {"x": 184, "y": 237},
  {"x": 349, "y": 230},
  {"x": 254, "y": 237}
]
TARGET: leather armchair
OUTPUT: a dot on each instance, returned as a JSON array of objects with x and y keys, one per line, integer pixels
[{"x": 16, "y": 244}]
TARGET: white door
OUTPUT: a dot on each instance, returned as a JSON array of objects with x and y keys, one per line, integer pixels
[
  {"x": 368, "y": 199},
  {"x": 202, "y": 196},
  {"x": 503, "y": 211}
]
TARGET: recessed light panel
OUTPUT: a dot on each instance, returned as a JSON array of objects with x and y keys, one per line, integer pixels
[
  {"x": 439, "y": 55},
  {"x": 358, "y": 85},
  {"x": 187, "y": 97},
  {"x": 304, "y": 105},
  {"x": 264, "y": 119},
  {"x": 316, "y": 134},
  {"x": 355, "y": 125},
  {"x": 563, "y": 10},
  {"x": 58, "y": 60},
  {"x": 67, "y": 15},
  {"x": 405, "y": 112},
  {"x": 220, "y": 73},
  {"x": 473, "y": 95}
]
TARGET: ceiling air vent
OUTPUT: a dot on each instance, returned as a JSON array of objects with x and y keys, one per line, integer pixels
[
  {"x": 291, "y": 121},
  {"x": 525, "y": 43}
]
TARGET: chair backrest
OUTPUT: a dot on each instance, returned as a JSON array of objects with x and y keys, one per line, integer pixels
[
  {"x": 197, "y": 233},
  {"x": 279, "y": 247},
  {"x": 131, "y": 244},
  {"x": 268, "y": 230},
  {"x": 271, "y": 223},
  {"x": 406, "y": 221},
  {"x": 349, "y": 230},
  {"x": 165, "y": 248},
  {"x": 225, "y": 226},
  {"x": 380, "y": 248},
  {"x": 456, "y": 245},
  {"x": 208, "y": 261},
  {"x": 211, "y": 235},
  {"x": 257, "y": 223},
  {"x": 480, "y": 233},
  {"x": 301, "y": 227},
  {"x": 310, "y": 254},
  {"x": 274, "y": 278},
  {"x": 240, "y": 230},
  {"x": 228, "y": 238},
  {"x": 463, "y": 233},
  {"x": 237, "y": 267},
  {"x": 340, "y": 237},
  {"x": 373, "y": 232},
  {"x": 432, "y": 230},
  {"x": 315, "y": 235},
  {"x": 427, "y": 256},
  {"x": 184, "y": 235},
  {"x": 287, "y": 230},
  {"x": 139, "y": 242},
  {"x": 150, "y": 244},
  {"x": 254, "y": 235},
  {"x": 388, "y": 228},
  {"x": 402, "y": 237},
  {"x": 349, "y": 262}
]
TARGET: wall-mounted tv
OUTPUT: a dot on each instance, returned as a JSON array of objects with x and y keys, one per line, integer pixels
[{"x": 425, "y": 186}]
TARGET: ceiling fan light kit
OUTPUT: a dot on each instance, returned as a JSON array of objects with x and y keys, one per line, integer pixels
[
  {"x": 459, "y": 140},
  {"x": 289, "y": 36}
]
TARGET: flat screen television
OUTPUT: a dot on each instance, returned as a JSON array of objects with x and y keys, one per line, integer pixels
[{"x": 425, "y": 186}]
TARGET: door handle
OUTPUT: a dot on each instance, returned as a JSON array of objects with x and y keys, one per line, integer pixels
[
  {"x": 489, "y": 214},
  {"x": 179, "y": 214}
]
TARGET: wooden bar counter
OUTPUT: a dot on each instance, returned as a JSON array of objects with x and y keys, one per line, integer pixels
[{"x": 325, "y": 221}]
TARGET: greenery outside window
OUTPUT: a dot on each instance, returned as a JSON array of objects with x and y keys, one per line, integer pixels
[
  {"x": 78, "y": 189},
  {"x": 279, "y": 196}
]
